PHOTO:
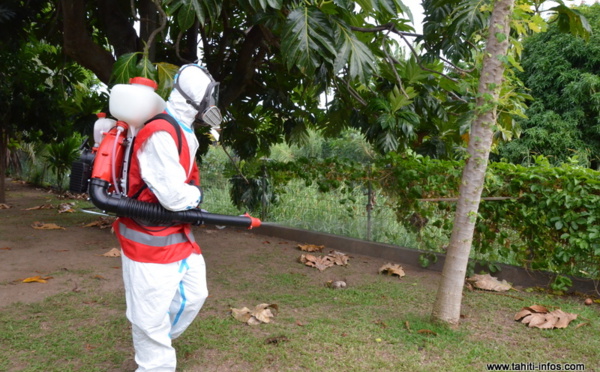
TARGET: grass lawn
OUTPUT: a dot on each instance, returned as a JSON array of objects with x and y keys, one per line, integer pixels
[{"x": 377, "y": 323}]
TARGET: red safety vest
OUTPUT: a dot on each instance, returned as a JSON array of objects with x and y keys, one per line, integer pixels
[{"x": 155, "y": 244}]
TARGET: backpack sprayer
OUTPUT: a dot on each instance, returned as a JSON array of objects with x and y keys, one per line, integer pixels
[{"x": 104, "y": 166}]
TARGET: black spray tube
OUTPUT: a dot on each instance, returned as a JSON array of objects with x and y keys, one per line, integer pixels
[{"x": 127, "y": 207}]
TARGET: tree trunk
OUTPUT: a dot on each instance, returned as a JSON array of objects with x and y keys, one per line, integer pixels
[
  {"x": 78, "y": 43},
  {"x": 3, "y": 162},
  {"x": 449, "y": 296}
]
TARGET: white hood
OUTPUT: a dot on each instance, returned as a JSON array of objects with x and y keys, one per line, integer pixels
[{"x": 194, "y": 82}]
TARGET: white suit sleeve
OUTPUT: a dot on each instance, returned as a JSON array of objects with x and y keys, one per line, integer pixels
[{"x": 164, "y": 175}]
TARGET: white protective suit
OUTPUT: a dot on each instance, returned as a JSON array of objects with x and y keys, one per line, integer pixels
[{"x": 163, "y": 299}]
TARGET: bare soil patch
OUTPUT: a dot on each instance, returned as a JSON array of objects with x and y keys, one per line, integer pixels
[{"x": 74, "y": 257}]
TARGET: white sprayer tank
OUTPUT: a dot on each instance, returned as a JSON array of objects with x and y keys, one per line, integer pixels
[
  {"x": 101, "y": 127},
  {"x": 136, "y": 102}
]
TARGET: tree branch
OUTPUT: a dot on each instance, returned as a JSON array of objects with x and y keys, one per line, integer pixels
[
  {"x": 390, "y": 27},
  {"x": 390, "y": 61},
  {"x": 78, "y": 43},
  {"x": 352, "y": 92},
  {"x": 163, "y": 24},
  {"x": 387, "y": 26},
  {"x": 244, "y": 68}
]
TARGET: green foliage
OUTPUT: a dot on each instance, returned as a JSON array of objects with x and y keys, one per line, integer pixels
[
  {"x": 252, "y": 194},
  {"x": 61, "y": 155},
  {"x": 427, "y": 259},
  {"x": 542, "y": 217},
  {"x": 550, "y": 220},
  {"x": 132, "y": 65},
  {"x": 560, "y": 70},
  {"x": 561, "y": 284}
]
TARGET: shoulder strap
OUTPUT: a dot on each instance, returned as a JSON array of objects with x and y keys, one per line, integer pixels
[{"x": 175, "y": 124}]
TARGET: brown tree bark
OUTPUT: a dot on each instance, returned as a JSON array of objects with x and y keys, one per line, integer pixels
[
  {"x": 78, "y": 43},
  {"x": 117, "y": 24},
  {"x": 3, "y": 163},
  {"x": 244, "y": 67},
  {"x": 449, "y": 297}
]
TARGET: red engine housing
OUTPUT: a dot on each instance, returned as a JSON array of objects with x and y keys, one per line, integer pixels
[{"x": 111, "y": 155}]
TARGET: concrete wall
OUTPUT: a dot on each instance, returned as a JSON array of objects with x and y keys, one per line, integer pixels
[{"x": 517, "y": 276}]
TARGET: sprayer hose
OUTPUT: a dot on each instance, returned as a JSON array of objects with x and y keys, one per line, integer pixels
[{"x": 127, "y": 207}]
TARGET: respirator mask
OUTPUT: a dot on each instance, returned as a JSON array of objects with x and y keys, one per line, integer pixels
[{"x": 208, "y": 114}]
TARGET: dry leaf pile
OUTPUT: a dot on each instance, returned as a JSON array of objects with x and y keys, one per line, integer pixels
[
  {"x": 102, "y": 222},
  {"x": 113, "y": 253},
  {"x": 40, "y": 207},
  {"x": 66, "y": 208},
  {"x": 392, "y": 269},
  {"x": 487, "y": 283},
  {"x": 537, "y": 316},
  {"x": 261, "y": 314},
  {"x": 323, "y": 262},
  {"x": 70, "y": 195},
  {"x": 46, "y": 226},
  {"x": 311, "y": 247}
]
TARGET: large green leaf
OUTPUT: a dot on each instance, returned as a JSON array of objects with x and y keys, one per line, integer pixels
[
  {"x": 307, "y": 39},
  {"x": 571, "y": 20},
  {"x": 146, "y": 69},
  {"x": 166, "y": 72},
  {"x": 125, "y": 68},
  {"x": 187, "y": 10},
  {"x": 354, "y": 53},
  {"x": 186, "y": 16}
]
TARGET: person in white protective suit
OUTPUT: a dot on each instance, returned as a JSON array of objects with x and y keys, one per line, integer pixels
[{"x": 163, "y": 269}]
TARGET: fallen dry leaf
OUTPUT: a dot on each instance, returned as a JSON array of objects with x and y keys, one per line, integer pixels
[
  {"x": 243, "y": 314},
  {"x": 318, "y": 262},
  {"x": 6, "y": 248},
  {"x": 46, "y": 226},
  {"x": 70, "y": 195},
  {"x": 323, "y": 262},
  {"x": 261, "y": 314},
  {"x": 66, "y": 208},
  {"x": 538, "y": 309},
  {"x": 4, "y": 206},
  {"x": 311, "y": 247},
  {"x": 537, "y": 316},
  {"x": 392, "y": 269},
  {"x": 338, "y": 258},
  {"x": 488, "y": 283},
  {"x": 115, "y": 252},
  {"x": 563, "y": 318},
  {"x": 102, "y": 222},
  {"x": 37, "y": 279},
  {"x": 39, "y": 207}
]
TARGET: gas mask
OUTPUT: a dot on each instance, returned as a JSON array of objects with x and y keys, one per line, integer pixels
[{"x": 208, "y": 114}]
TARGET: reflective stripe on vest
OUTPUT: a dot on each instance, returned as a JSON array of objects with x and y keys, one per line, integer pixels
[{"x": 153, "y": 240}]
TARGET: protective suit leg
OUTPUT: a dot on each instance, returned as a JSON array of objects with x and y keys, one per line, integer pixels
[
  {"x": 190, "y": 296},
  {"x": 150, "y": 291}
]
